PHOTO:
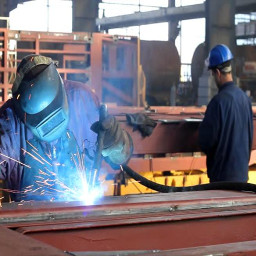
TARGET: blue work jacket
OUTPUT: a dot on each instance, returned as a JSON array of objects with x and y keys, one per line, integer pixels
[
  {"x": 29, "y": 166},
  {"x": 226, "y": 134}
]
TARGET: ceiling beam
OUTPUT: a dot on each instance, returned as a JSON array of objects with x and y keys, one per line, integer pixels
[
  {"x": 161, "y": 15},
  {"x": 245, "y": 6},
  {"x": 166, "y": 14}
]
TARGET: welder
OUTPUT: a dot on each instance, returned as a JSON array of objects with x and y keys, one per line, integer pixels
[
  {"x": 48, "y": 133},
  {"x": 226, "y": 131}
]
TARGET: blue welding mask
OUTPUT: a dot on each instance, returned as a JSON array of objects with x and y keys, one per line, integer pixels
[{"x": 40, "y": 101}]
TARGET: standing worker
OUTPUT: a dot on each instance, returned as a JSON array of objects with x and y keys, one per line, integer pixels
[
  {"x": 226, "y": 132},
  {"x": 46, "y": 141}
]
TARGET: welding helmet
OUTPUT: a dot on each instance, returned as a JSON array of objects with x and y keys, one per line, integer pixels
[
  {"x": 39, "y": 97},
  {"x": 219, "y": 55}
]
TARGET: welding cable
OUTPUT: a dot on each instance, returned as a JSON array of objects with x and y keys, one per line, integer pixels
[{"x": 223, "y": 185}]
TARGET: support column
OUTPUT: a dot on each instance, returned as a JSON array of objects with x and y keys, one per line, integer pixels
[
  {"x": 220, "y": 29},
  {"x": 220, "y": 23},
  {"x": 173, "y": 32},
  {"x": 3, "y": 8},
  {"x": 4, "y": 12},
  {"x": 173, "y": 28},
  {"x": 85, "y": 13}
]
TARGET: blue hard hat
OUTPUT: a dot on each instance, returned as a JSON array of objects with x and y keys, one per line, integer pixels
[
  {"x": 40, "y": 100},
  {"x": 219, "y": 55}
]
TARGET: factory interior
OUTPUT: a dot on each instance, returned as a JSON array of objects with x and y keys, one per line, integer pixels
[{"x": 145, "y": 63}]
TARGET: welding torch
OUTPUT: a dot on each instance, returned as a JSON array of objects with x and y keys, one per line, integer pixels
[{"x": 99, "y": 147}]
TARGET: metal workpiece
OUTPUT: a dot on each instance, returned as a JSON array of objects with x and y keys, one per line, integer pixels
[
  {"x": 15, "y": 244},
  {"x": 137, "y": 222},
  {"x": 20, "y": 214}
]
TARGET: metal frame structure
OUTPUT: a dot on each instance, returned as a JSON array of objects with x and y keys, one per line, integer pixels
[{"x": 91, "y": 58}]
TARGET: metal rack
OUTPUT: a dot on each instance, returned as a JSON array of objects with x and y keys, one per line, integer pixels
[{"x": 109, "y": 64}]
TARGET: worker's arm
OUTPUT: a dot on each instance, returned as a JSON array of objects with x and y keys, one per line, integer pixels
[
  {"x": 11, "y": 142},
  {"x": 209, "y": 128},
  {"x": 117, "y": 143}
]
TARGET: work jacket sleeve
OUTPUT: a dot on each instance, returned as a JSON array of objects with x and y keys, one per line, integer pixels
[
  {"x": 209, "y": 128},
  {"x": 5, "y": 144},
  {"x": 10, "y": 145},
  {"x": 84, "y": 108},
  {"x": 250, "y": 127}
]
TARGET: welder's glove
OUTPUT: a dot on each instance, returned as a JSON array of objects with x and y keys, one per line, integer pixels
[
  {"x": 117, "y": 143},
  {"x": 141, "y": 122}
]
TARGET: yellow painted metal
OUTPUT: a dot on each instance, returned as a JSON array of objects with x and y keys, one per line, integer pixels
[
  {"x": 178, "y": 179},
  {"x": 252, "y": 176}
]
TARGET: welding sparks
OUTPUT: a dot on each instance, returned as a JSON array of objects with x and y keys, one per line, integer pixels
[
  {"x": 25, "y": 151},
  {"x": 43, "y": 173},
  {"x": 31, "y": 145},
  {"x": 15, "y": 160},
  {"x": 65, "y": 179},
  {"x": 87, "y": 192},
  {"x": 41, "y": 157}
]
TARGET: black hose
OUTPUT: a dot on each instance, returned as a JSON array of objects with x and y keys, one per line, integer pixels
[{"x": 223, "y": 185}]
